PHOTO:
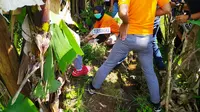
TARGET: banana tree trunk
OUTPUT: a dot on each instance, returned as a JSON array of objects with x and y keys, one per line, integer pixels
[{"x": 9, "y": 62}]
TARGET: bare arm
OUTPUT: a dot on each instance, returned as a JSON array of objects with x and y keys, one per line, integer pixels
[
  {"x": 90, "y": 36},
  {"x": 195, "y": 15},
  {"x": 123, "y": 14},
  {"x": 166, "y": 9},
  {"x": 111, "y": 5},
  {"x": 184, "y": 18}
]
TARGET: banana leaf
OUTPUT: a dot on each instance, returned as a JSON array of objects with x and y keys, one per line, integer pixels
[
  {"x": 71, "y": 38},
  {"x": 22, "y": 104},
  {"x": 197, "y": 22},
  {"x": 48, "y": 65}
]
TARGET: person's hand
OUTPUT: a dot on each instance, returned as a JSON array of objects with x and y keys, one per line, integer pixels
[
  {"x": 123, "y": 31},
  {"x": 88, "y": 38},
  {"x": 182, "y": 18},
  {"x": 110, "y": 8}
]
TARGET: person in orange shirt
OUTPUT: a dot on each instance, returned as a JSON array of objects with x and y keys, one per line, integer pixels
[
  {"x": 136, "y": 33},
  {"x": 104, "y": 21}
]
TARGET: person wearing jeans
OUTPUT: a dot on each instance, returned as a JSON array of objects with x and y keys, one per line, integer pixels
[
  {"x": 136, "y": 33},
  {"x": 102, "y": 21},
  {"x": 79, "y": 68},
  {"x": 156, "y": 51},
  {"x": 142, "y": 45}
]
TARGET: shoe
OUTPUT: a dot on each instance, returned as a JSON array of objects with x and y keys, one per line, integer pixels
[
  {"x": 157, "y": 109},
  {"x": 85, "y": 70},
  {"x": 156, "y": 106},
  {"x": 91, "y": 89}
]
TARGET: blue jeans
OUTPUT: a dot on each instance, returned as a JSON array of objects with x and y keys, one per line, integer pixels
[
  {"x": 156, "y": 51},
  {"x": 78, "y": 62},
  {"x": 115, "y": 9},
  {"x": 142, "y": 45}
]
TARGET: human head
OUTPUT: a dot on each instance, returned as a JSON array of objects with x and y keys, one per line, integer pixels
[{"x": 98, "y": 12}]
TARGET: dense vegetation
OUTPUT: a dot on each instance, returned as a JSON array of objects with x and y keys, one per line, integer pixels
[{"x": 44, "y": 69}]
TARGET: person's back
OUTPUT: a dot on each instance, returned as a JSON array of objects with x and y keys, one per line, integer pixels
[
  {"x": 141, "y": 15},
  {"x": 135, "y": 34}
]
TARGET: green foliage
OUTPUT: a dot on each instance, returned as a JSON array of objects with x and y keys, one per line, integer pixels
[
  {"x": 1, "y": 107},
  {"x": 17, "y": 38},
  {"x": 48, "y": 65},
  {"x": 145, "y": 109},
  {"x": 21, "y": 16},
  {"x": 93, "y": 53},
  {"x": 39, "y": 91},
  {"x": 52, "y": 85},
  {"x": 196, "y": 22},
  {"x": 71, "y": 95},
  {"x": 22, "y": 104},
  {"x": 61, "y": 47},
  {"x": 144, "y": 105},
  {"x": 74, "y": 100},
  {"x": 118, "y": 20},
  {"x": 99, "y": 2},
  {"x": 198, "y": 40},
  {"x": 122, "y": 110},
  {"x": 197, "y": 97},
  {"x": 64, "y": 45},
  {"x": 82, "y": 30},
  {"x": 71, "y": 38},
  {"x": 88, "y": 20}
]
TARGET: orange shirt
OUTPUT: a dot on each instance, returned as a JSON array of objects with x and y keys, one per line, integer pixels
[
  {"x": 108, "y": 21},
  {"x": 141, "y": 15}
]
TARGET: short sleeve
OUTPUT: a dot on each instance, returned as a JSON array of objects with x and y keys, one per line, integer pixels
[
  {"x": 161, "y": 3},
  {"x": 120, "y": 2}
]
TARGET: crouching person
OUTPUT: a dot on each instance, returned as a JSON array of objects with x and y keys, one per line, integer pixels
[{"x": 103, "y": 21}]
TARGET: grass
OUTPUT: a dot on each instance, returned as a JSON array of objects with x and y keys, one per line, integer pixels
[
  {"x": 93, "y": 54},
  {"x": 74, "y": 97},
  {"x": 112, "y": 96},
  {"x": 144, "y": 106}
]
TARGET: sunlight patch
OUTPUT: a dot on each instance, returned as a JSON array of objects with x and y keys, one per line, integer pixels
[{"x": 112, "y": 77}]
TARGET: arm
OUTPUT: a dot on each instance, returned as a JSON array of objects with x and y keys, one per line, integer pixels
[
  {"x": 123, "y": 14},
  {"x": 90, "y": 36},
  {"x": 195, "y": 15},
  {"x": 165, "y": 9},
  {"x": 184, "y": 18},
  {"x": 111, "y": 5},
  {"x": 173, "y": 4}
]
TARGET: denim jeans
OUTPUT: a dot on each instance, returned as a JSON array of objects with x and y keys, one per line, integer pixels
[
  {"x": 142, "y": 45},
  {"x": 115, "y": 9},
  {"x": 156, "y": 51},
  {"x": 78, "y": 62}
]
